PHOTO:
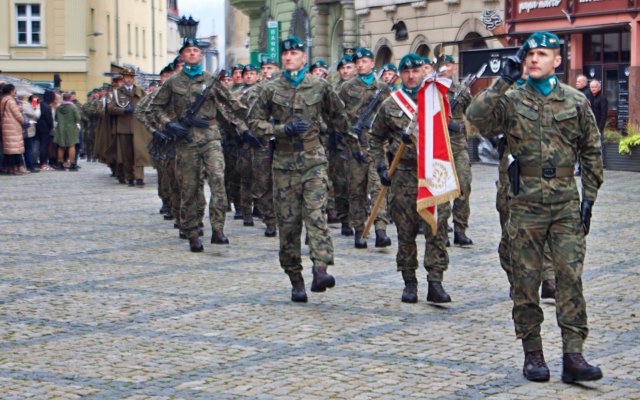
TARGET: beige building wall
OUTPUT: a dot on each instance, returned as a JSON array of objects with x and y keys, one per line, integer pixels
[
  {"x": 429, "y": 23},
  {"x": 236, "y": 36},
  {"x": 80, "y": 39}
]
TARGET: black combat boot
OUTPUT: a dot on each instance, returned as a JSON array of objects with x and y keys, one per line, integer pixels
[
  {"x": 238, "y": 215},
  {"x": 200, "y": 231},
  {"x": 410, "y": 292},
  {"x": 436, "y": 293},
  {"x": 195, "y": 244},
  {"x": 576, "y": 369},
  {"x": 359, "y": 242},
  {"x": 298, "y": 294},
  {"x": 270, "y": 231},
  {"x": 548, "y": 289},
  {"x": 168, "y": 216},
  {"x": 321, "y": 280},
  {"x": 382, "y": 240},
  {"x": 447, "y": 243},
  {"x": 139, "y": 182},
  {"x": 182, "y": 234},
  {"x": 218, "y": 237},
  {"x": 164, "y": 209},
  {"x": 535, "y": 369},
  {"x": 346, "y": 229},
  {"x": 131, "y": 183},
  {"x": 332, "y": 216},
  {"x": 256, "y": 212},
  {"x": 461, "y": 239},
  {"x": 247, "y": 219}
]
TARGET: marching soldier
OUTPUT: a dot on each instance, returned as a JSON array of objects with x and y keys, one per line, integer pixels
[
  {"x": 319, "y": 69},
  {"x": 91, "y": 113},
  {"x": 357, "y": 93},
  {"x": 389, "y": 73},
  {"x": 458, "y": 137},
  {"x": 105, "y": 148},
  {"x": 268, "y": 69},
  {"x": 238, "y": 80},
  {"x": 287, "y": 108},
  {"x": 548, "y": 125},
  {"x": 131, "y": 136},
  {"x": 388, "y": 130},
  {"x": 198, "y": 138}
]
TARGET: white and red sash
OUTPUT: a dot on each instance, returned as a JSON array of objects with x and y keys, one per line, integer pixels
[{"x": 406, "y": 103}]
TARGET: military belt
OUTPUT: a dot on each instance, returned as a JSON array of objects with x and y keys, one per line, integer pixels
[
  {"x": 546, "y": 172},
  {"x": 299, "y": 145}
]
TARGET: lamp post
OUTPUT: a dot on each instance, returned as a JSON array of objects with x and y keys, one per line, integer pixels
[{"x": 187, "y": 27}]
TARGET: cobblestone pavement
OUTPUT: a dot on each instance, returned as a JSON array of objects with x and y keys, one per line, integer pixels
[{"x": 100, "y": 299}]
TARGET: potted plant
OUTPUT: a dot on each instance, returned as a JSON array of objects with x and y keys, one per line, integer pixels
[{"x": 622, "y": 153}]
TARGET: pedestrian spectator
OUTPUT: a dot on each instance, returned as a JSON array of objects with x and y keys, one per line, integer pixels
[
  {"x": 12, "y": 141},
  {"x": 582, "y": 84},
  {"x": 67, "y": 133},
  {"x": 31, "y": 113},
  {"x": 600, "y": 108},
  {"x": 44, "y": 128}
]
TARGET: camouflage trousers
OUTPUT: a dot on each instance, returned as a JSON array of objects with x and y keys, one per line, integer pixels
[
  {"x": 503, "y": 248},
  {"x": 194, "y": 163},
  {"x": 402, "y": 205},
  {"x": 363, "y": 180},
  {"x": 530, "y": 227},
  {"x": 164, "y": 185},
  {"x": 231, "y": 178},
  {"x": 89, "y": 140},
  {"x": 262, "y": 190},
  {"x": 339, "y": 176},
  {"x": 461, "y": 209},
  {"x": 243, "y": 171},
  {"x": 301, "y": 195}
]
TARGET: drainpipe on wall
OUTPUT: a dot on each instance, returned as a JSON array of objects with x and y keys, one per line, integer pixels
[
  {"x": 153, "y": 37},
  {"x": 117, "y": 32}
]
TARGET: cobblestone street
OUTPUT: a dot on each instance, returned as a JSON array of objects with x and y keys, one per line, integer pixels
[{"x": 99, "y": 299}]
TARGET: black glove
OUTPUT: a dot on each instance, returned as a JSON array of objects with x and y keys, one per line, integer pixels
[
  {"x": 383, "y": 173},
  {"x": 585, "y": 215},
  {"x": 454, "y": 126},
  {"x": 406, "y": 138},
  {"x": 512, "y": 66},
  {"x": 248, "y": 137},
  {"x": 160, "y": 137},
  {"x": 296, "y": 127},
  {"x": 129, "y": 109},
  {"x": 196, "y": 122},
  {"x": 360, "y": 157},
  {"x": 178, "y": 130}
]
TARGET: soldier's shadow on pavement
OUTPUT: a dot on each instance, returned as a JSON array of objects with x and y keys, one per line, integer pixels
[{"x": 438, "y": 306}]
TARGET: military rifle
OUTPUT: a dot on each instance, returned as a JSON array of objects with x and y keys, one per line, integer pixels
[
  {"x": 466, "y": 85},
  {"x": 365, "y": 120}
]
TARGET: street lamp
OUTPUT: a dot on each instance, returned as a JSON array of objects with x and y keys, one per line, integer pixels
[{"x": 187, "y": 27}]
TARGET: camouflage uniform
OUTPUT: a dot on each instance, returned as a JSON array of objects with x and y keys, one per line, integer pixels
[
  {"x": 339, "y": 172},
  {"x": 299, "y": 163},
  {"x": 458, "y": 137},
  {"x": 244, "y": 161},
  {"x": 203, "y": 156},
  {"x": 363, "y": 178},
  {"x": 545, "y": 134},
  {"x": 91, "y": 112},
  {"x": 386, "y": 132}
]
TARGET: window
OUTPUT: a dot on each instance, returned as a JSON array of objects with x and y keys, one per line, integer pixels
[
  {"x": 28, "y": 24},
  {"x": 137, "y": 41},
  {"x": 144, "y": 43},
  {"x": 109, "y": 34},
  {"x": 607, "y": 48},
  {"x": 129, "y": 39}
]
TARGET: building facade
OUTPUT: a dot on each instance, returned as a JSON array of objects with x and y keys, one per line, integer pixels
[
  {"x": 81, "y": 39},
  {"x": 173, "y": 35},
  {"x": 236, "y": 35}
]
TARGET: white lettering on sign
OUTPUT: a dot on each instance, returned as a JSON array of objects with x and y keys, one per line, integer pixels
[
  {"x": 527, "y": 6},
  {"x": 590, "y": 1}
]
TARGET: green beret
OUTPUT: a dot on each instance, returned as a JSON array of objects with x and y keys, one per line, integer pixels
[
  {"x": 318, "y": 64},
  {"x": 426, "y": 60},
  {"x": 237, "y": 66},
  {"x": 293, "y": 43},
  {"x": 389, "y": 67},
  {"x": 542, "y": 39},
  {"x": 249, "y": 67},
  {"x": 189, "y": 42},
  {"x": 446, "y": 59},
  {"x": 346, "y": 59},
  {"x": 362, "y": 52},
  {"x": 411, "y": 60},
  {"x": 267, "y": 61}
]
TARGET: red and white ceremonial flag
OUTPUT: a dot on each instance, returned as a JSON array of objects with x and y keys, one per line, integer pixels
[{"x": 437, "y": 179}]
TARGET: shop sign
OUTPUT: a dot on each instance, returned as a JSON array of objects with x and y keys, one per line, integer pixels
[
  {"x": 527, "y": 6},
  {"x": 273, "y": 42}
]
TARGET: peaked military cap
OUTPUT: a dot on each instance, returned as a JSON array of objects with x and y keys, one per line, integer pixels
[
  {"x": 542, "y": 39},
  {"x": 293, "y": 43},
  {"x": 237, "y": 66},
  {"x": 249, "y": 67},
  {"x": 411, "y": 60},
  {"x": 362, "y": 52},
  {"x": 267, "y": 61},
  {"x": 189, "y": 42},
  {"x": 389, "y": 67},
  {"x": 319, "y": 64},
  {"x": 128, "y": 71},
  {"x": 346, "y": 59}
]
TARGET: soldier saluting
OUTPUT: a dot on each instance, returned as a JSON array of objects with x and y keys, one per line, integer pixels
[
  {"x": 547, "y": 124},
  {"x": 288, "y": 108},
  {"x": 198, "y": 138}
]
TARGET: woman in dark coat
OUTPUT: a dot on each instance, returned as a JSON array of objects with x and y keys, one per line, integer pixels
[{"x": 44, "y": 126}]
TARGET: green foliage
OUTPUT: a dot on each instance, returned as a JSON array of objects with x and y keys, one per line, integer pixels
[
  {"x": 612, "y": 135},
  {"x": 627, "y": 143}
]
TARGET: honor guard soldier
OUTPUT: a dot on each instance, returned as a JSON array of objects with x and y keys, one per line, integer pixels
[
  {"x": 548, "y": 125},
  {"x": 389, "y": 73},
  {"x": 268, "y": 69},
  {"x": 388, "y": 132},
  {"x": 319, "y": 69},
  {"x": 358, "y": 94},
  {"x": 188, "y": 106},
  {"x": 131, "y": 136},
  {"x": 287, "y": 108},
  {"x": 458, "y": 137},
  {"x": 238, "y": 80}
]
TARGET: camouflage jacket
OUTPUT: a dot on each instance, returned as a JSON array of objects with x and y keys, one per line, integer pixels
[
  {"x": 91, "y": 112},
  {"x": 356, "y": 96},
  {"x": 386, "y": 132},
  {"x": 458, "y": 138},
  {"x": 175, "y": 97},
  {"x": 279, "y": 103},
  {"x": 543, "y": 131}
]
